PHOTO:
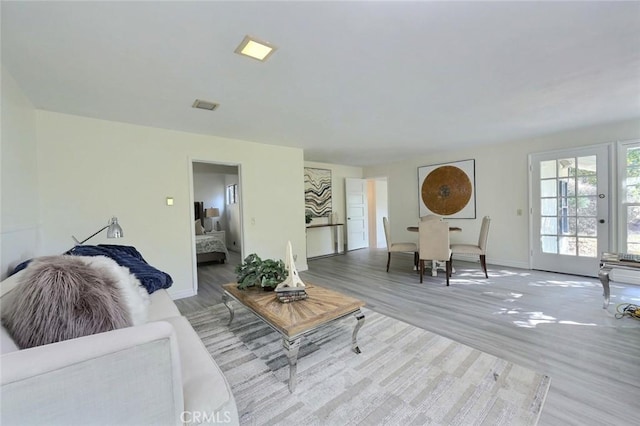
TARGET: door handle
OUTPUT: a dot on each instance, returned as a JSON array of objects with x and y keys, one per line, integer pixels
[{"x": 601, "y": 221}]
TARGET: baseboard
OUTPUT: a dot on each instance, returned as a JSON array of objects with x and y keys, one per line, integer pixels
[{"x": 181, "y": 294}]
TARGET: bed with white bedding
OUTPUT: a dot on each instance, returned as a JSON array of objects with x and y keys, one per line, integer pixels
[{"x": 210, "y": 248}]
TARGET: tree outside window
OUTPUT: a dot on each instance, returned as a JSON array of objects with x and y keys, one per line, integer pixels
[{"x": 631, "y": 197}]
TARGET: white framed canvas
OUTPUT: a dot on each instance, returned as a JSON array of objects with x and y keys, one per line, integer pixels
[{"x": 317, "y": 191}]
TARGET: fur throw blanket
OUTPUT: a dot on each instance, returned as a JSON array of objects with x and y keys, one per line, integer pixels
[{"x": 64, "y": 297}]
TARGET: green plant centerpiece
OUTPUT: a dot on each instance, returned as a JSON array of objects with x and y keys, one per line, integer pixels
[
  {"x": 255, "y": 272},
  {"x": 307, "y": 217}
]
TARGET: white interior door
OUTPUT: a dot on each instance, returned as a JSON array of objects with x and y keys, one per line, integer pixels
[
  {"x": 357, "y": 213},
  {"x": 569, "y": 193}
]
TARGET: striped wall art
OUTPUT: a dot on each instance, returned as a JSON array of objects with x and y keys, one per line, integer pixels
[{"x": 317, "y": 191}]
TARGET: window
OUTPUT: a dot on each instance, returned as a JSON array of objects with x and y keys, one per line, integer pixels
[
  {"x": 232, "y": 194},
  {"x": 630, "y": 197}
]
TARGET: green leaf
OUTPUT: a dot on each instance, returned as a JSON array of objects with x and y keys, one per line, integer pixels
[{"x": 255, "y": 271}]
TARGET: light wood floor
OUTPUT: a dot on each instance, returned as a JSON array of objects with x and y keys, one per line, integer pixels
[{"x": 552, "y": 323}]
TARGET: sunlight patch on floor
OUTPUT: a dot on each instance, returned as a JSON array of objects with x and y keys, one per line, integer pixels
[
  {"x": 566, "y": 284},
  {"x": 506, "y": 297},
  {"x": 463, "y": 281},
  {"x": 479, "y": 273},
  {"x": 533, "y": 319},
  {"x": 505, "y": 273},
  {"x": 577, "y": 323}
]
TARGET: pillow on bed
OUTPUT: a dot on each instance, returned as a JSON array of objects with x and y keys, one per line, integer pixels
[
  {"x": 60, "y": 298},
  {"x": 199, "y": 228}
]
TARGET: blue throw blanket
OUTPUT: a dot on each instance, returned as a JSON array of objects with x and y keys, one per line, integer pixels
[{"x": 151, "y": 278}]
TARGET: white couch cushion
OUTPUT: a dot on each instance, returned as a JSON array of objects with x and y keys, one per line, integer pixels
[
  {"x": 126, "y": 376},
  {"x": 6, "y": 342},
  {"x": 205, "y": 388},
  {"x": 10, "y": 283},
  {"x": 162, "y": 306}
]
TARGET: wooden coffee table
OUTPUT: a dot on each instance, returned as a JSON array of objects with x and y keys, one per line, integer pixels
[{"x": 295, "y": 319}]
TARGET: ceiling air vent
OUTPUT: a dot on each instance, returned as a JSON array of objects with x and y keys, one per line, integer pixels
[{"x": 205, "y": 105}]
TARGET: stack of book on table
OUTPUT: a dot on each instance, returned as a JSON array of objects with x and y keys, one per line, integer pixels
[{"x": 290, "y": 294}]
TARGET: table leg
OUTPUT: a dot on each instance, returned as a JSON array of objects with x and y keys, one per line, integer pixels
[
  {"x": 604, "y": 279},
  {"x": 227, "y": 302},
  {"x": 440, "y": 265},
  {"x": 354, "y": 338},
  {"x": 291, "y": 348}
]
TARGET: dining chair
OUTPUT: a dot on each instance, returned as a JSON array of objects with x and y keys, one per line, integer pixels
[
  {"x": 480, "y": 248},
  {"x": 434, "y": 244},
  {"x": 403, "y": 247},
  {"x": 430, "y": 217}
]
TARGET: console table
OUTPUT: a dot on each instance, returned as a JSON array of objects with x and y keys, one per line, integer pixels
[
  {"x": 609, "y": 262},
  {"x": 336, "y": 238}
]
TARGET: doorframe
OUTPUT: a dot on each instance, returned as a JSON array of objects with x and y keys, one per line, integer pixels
[
  {"x": 378, "y": 235},
  {"x": 377, "y": 226},
  {"x": 612, "y": 188},
  {"x": 194, "y": 261}
]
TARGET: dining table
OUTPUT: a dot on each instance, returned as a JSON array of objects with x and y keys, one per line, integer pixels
[
  {"x": 451, "y": 229},
  {"x": 437, "y": 265}
]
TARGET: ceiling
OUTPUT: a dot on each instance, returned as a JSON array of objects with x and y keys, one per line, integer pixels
[{"x": 353, "y": 83}]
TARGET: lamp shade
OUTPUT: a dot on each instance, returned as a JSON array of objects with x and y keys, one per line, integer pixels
[
  {"x": 114, "y": 230},
  {"x": 212, "y": 212}
]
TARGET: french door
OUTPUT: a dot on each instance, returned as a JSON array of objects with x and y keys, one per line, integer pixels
[{"x": 569, "y": 196}]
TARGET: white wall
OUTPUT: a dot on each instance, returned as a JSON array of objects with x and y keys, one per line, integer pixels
[
  {"x": 372, "y": 213},
  {"x": 209, "y": 187},
  {"x": 233, "y": 217},
  {"x": 320, "y": 240},
  {"x": 18, "y": 179},
  {"x": 86, "y": 170},
  {"x": 382, "y": 210},
  {"x": 501, "y": 187},
  {"x": 92, "y": 169}
]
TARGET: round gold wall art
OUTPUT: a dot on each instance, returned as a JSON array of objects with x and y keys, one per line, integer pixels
[{"x": 446, "y": 190}]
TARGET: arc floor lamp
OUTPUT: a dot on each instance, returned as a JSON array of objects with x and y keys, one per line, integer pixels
[{"x": 113, "y": 231}]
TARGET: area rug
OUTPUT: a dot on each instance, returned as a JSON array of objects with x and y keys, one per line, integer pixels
[{"x": 404, "y": 376}]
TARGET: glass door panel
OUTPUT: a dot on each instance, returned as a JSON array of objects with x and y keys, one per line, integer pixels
[{"x": 569, "y": 208}]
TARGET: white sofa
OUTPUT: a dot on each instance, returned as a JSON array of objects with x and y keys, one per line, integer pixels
[{"x": 153, "y": 374}]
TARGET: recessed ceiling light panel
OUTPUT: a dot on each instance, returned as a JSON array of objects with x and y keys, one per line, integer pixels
[
  {"x": 205, "y": 105},
  {"x": 254, "y": 48}
]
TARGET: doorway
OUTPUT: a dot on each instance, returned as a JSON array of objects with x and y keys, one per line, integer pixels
[
  {"x": 216, "y": 188},
  {"x": 569, "y": 198},
  {"x": 366, "y": 204}
]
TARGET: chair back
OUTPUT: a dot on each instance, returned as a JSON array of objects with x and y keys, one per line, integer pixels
[
  {"x": 484, "y": 233},
  {"x": 385, "y": 224},
  {"x": 430, "y": 217},
  {"x": 434, "y": 240}
]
